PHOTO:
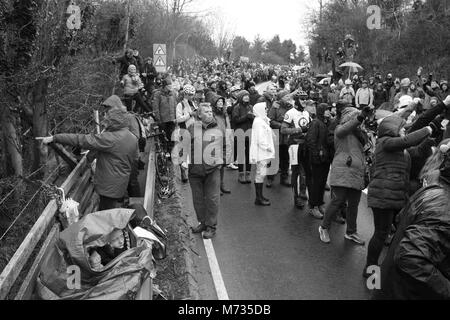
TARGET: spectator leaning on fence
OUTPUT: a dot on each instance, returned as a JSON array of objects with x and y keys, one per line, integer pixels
[{"x": 117, "y": 151}]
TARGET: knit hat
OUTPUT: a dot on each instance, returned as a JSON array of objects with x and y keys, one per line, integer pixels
[
  {"x": 282, "y": 94},
  {"x": 132, "y": 68},
  {"x": 405, "y": 82},
  {"x": 405, "y": 101},
  {"x": 348, "y": 82}
]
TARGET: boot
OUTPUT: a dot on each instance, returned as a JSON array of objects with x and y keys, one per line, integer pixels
[
  {"x": 269, "y": 182},
  {"x": 303, "y": 194},
  {"x": 223, "y": 189},
  {"x": 259, "y": 200},
  {"x": 262, "y": 194},
  {"x": 248, "y": 177},
  {"x": 242, "y": 178},
  {"x": 299, "y": 203},
  {"x": 184, "y": 177}
]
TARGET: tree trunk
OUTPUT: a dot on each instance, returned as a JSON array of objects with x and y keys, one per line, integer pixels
[
  {"x": 39, "y": 102},
  {"x": 12, "y": 144}
]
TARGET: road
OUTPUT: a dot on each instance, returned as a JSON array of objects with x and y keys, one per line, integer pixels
[{"x": 267, "y": 253}]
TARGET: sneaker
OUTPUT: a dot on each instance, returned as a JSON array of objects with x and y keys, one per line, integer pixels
[
  {"x": 209, "y": 233},
  {"x": 299, "y": 203},
  {"x": 232, "y": 166},
  {"x": 316, "y": 213},
  {"x": 199, "y": 229},
  {"x": 324, "y": 236},
  {"x": 355, "y": 238}
]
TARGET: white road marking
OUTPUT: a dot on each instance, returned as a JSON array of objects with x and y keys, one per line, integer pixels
[{"x": 215, "y": 270}]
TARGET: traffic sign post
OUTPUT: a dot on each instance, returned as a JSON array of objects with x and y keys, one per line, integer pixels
[{"x": 160, "y": 57}]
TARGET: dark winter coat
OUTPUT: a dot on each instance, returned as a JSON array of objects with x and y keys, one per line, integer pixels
[
  {"x": 317, "y": 139},
  {"x": 276, "y": 115},
  {"x": 389, "y": 186},
  {"x": 117, "y": 151},
  {"x": 164, "y": 105},
  {"x": 417, "y": 265},
  {"x": 242, "y": 115}
]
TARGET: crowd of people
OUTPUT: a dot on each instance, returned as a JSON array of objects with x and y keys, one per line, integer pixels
[{"x": 388, "y": 136}]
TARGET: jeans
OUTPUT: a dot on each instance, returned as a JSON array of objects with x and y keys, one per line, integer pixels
[
  {"x": 316, "y": 187},
  {"x": 107, "y": 203},
  {"x": 141, "y": 105},
  {"x": 206, "y": 197},
  {"x": 246, "y": 166},
  {"x": 382, "y": 219},
  {"x": 298, "y": 180},
  {"x": 339, "y": 195}
]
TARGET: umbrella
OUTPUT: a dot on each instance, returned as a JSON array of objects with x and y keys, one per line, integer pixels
[
  {"x": 353, "y": 67},
  {"x": 325, "y": 79}
]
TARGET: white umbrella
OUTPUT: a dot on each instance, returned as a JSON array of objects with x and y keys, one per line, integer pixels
[
  {"x": 353, "y": 67},
  {"x": 325, "y": 79}
]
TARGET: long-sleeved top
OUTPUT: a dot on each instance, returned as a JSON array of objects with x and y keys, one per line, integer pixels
[
  {"x": 363, "y": 96},
  {"x": 164, "y": 105},
  {"x": 132, "y": 84},
  {"x": 347, "y": 94}
]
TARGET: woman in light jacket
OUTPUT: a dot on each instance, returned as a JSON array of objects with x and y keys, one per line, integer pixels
[
  {"x": 262, "y": 149},
  {"x": 185, "y": 112}
]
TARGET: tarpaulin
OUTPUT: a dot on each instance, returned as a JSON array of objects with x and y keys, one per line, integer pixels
[{"x": 118, "y": 280}]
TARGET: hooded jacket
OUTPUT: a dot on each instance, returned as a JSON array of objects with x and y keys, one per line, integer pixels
[
  {"x": 390, "y": 180},
  {"x": 164, "y": 104},
  {"x": 117, "y": 151},
  {"x": 242, "y": 115},
  {"x": 262, "y": 146},
  {"x": 417, "y": 264},
  {"x": 348, "y": 167}
]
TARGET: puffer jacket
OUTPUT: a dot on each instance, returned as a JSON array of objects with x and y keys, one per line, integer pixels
[
  {"x": 348, "y": 148},
  {"x": 242, "y": 115},
  {"x": 164, "y": 104},
  {"x": 389, "y": 185},
  {"x": 117, "y": 151},
  {"x": 417, "y": 264}
]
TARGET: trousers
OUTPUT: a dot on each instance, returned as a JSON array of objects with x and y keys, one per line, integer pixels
[{"x": 206, "y": 197}]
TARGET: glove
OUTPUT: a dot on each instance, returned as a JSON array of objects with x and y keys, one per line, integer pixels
[
  {"x": 435, "y": 125},
  {"x": 364, "y": 113},
  {"x": 447, "y": 101}
]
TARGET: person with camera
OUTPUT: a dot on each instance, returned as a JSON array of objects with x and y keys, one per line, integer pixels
[
  {"x": 347, "y": 174},
  {"x": 389, "y": 187},
  {"x": 320, "y": 155},
  {"x": 133, "y": 89}
]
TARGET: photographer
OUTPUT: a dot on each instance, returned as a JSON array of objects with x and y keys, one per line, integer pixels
[{"x": 388, "y": 190}]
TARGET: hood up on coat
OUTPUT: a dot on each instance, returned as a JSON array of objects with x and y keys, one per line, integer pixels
[
  {"x": 116, "y": 120},
  {"x": 259, "y": 110},
  {"x": 349, "y": 114},
  {"x": 213, "y": 99},
  {"x": 114, "y": 103},
  {"x": 241, "y": 95},
  {"x": 390, "y": 126}
]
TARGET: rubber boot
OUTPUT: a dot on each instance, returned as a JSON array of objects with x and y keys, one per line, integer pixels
[
  {"x": 262, "y": 194},
  {"x": 259, "y": 200},
  {"x": 242, "y": 178},
  {"x": 248, "y": 177}
]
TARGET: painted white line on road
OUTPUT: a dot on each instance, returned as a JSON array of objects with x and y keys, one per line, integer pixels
[{"x": 215, "y": 271}]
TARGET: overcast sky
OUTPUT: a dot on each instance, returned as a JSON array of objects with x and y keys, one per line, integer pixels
[{"x": 264, "y": 17}]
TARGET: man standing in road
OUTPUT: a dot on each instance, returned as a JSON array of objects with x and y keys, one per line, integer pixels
[{"x": 204, "y": 171}]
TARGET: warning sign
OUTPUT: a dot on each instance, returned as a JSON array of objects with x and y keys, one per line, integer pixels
[
  {"x": 159, "y": 49},
  {"x": 160, "y": 57}
]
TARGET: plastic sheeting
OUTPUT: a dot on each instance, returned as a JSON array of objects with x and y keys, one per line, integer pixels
[{"x": 121, "y": 279}]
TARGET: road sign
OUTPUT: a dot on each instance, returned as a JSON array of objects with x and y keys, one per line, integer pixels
[{"x": 160, "y": 57}]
